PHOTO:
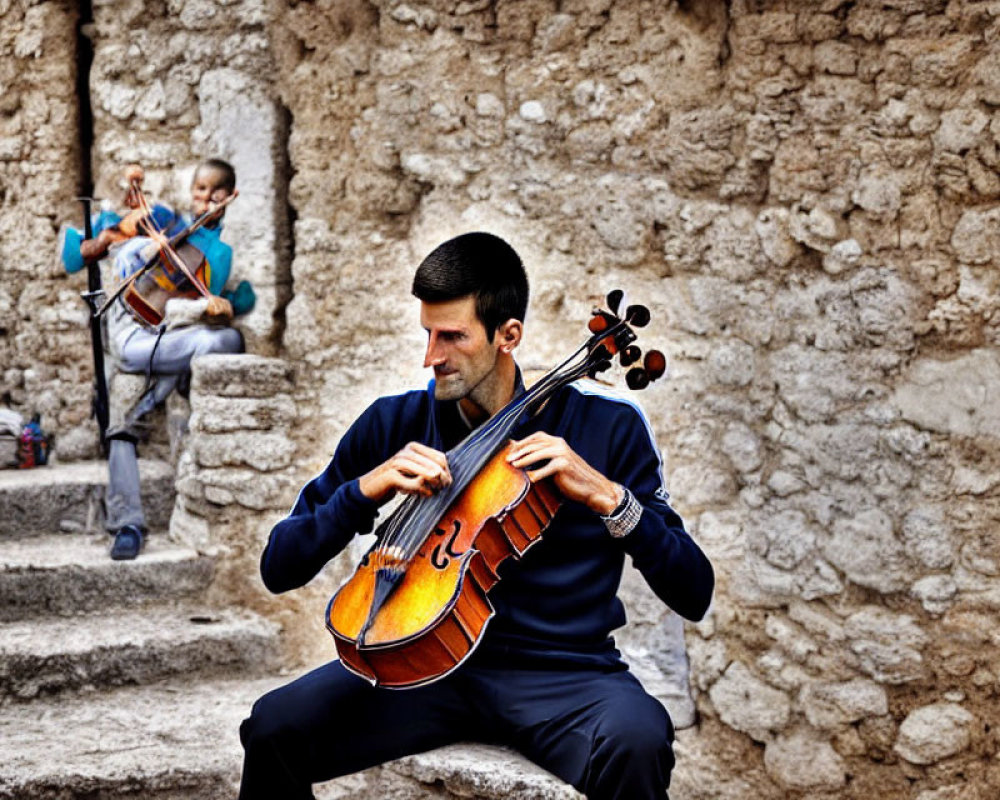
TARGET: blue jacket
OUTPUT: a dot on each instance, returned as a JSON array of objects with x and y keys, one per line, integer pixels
[
  {"x": 559, "y": 602},
  {"x": 218, "y": 254}
]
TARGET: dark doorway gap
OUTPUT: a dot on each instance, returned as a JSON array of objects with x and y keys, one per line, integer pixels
[
  {"x": 84, "y": 61},
  {"x": 286, "y": 217}
]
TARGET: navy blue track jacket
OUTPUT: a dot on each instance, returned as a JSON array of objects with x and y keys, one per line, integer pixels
[{"x": 557, "y": 604}]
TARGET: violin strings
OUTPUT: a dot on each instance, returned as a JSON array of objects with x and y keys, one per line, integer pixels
[
  {"x": 412, "y": 523},
  {"x": 468, "y": 457},
  {"x": 473, "y": 452},
  {"x": 465, "y": 460}
]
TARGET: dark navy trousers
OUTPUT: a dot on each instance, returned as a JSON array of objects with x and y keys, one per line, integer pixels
[{"x": 597, "y": 730}]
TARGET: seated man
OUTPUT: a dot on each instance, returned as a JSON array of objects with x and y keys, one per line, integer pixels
[
  {"x": 546, "y": 678},
  {"x": 163, "y": 353}
]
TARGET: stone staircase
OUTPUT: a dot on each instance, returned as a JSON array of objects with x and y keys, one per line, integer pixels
[{"x": 117, "y": 679}]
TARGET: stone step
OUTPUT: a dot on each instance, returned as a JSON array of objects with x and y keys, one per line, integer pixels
[
  {"x": 67, "y": 497},
  {"x": 170, "y": 740},
  {"x": 61, "y": 574},
  {"x": 173, "y": 740},
  {"x": 98, "y": 651},
  {"x": 469, "y": 770}
]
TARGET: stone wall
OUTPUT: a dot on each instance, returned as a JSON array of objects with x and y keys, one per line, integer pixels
[
  {"x": 805, "y": 193},
  {"x": 43, "y": 356},
  {"x": 170, "y": 84}
]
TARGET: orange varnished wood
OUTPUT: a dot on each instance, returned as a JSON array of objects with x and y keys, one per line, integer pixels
[
  {"x": 147, "y": 296},
  {"x": 438, "y": 612}
]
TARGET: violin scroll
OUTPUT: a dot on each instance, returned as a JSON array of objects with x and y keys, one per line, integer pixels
[{"x": 614, "y": 335}]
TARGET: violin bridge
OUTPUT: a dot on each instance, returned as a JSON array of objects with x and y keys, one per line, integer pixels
[
  {"x": 392, "y": 557},
  {"x": 387, "y": 576}
]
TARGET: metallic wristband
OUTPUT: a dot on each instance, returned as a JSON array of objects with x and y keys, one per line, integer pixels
[{"x": 622, "y": 520}]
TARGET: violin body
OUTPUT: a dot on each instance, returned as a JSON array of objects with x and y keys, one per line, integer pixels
[
  {"x": 418, "y": 604},
  {"x": 146, "y": 297},
  {"x": 174, "y": 268},
  {"x": 436, "y": 616}
]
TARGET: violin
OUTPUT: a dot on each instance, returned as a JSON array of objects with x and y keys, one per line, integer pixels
[
  {"x": 418, "y": 604},
  {"x": 171, "y": 268}
]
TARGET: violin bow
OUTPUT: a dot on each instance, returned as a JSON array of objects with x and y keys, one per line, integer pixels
[{"x": 167, "y": 248}]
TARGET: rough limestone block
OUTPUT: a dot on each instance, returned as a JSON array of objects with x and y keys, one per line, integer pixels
[
  {"x": 242, "y": 376},
  {"x": 976, "y": 237},
  {"x": 485, "y": 773},
  {"x": 248, "y": 488},
  {"x": 927, "y": 537},
  {"x": 265, "y": 452},
  {"x": 832, "y": 705},
  {"x": 888, "y": 645},
  {"x": 934, "y": 732},
  {"x": 953, "y": 396},
  {"x": 802, "y": 760},
  {"x": 866, "y": 549},
  {"x": 935, "y": 593},
  {"x": 744, "y": 702},
  {"x": 215, "y": 414}
]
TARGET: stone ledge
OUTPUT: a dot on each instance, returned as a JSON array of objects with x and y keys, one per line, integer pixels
[
  {"x": 71, "y": 574},
  {"x": 64, "y": 496},
  {"x": 160, "y": 742},
  {"x": 176, "y": 740},
  {"x": 58, "y": 654},
  {"x": 484, "y": 771},
  {"x": 242, "y": 376}
]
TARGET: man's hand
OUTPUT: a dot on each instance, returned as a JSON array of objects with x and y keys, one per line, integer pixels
[
  {"x": 218, "y": 307},
  {"x": 96, "y": 248},
  {"x": 574, "y": 477},
  {"x": 416, "y": 469}
]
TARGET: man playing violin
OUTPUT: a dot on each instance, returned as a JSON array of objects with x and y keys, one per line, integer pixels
[
  {"x": 164, "y": 353},
  {"x": 546, "y": 679}
]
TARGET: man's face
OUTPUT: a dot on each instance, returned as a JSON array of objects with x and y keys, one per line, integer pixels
[
  {"x": 205, "y": 188},
  {"x": 462, "y": 356}
]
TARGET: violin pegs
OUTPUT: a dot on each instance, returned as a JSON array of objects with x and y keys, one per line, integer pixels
[
  {"x": 600, "y": 321},
  {"x": 636, "y": 378},
  {"x": 601, "y": 353},
  {"x": 629, "y": 355},
  {"x": 614, "y": 298},
  {"x": 599, "y": 366},
  {"x": 655, "y": 364},
  {"x": 637, "y": 316}
]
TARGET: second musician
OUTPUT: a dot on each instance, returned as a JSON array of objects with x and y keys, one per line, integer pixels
[{"x": 164, "y": 353}]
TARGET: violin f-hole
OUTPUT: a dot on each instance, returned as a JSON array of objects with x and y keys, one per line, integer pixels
[{"x": 439, "y": 560}]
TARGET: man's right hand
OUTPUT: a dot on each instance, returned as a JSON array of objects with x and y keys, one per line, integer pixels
[
  {"x": 96, "y": 248},
  {"x": 219, "y": 307},
  {"x": 416, "y": 469}
]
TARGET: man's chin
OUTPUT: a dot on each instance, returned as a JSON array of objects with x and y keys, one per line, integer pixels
[{"x": 448, "y": 390}]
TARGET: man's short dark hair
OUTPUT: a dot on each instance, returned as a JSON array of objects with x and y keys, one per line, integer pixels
[
  {"x": 225, "y": 169},
  {"x": 481, "y": 265}
]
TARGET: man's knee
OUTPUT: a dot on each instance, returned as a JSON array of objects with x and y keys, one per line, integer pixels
[
  {"x": 638, "y": 733},
  {"x": 632, "y": 752},
  {"x": 270, "y": 743},
  {"x": 223, "y": 340},
  {"x": 267, "y": 726}
]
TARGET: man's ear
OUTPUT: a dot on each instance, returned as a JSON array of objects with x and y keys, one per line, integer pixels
[{"x": 508, "y": 335}]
